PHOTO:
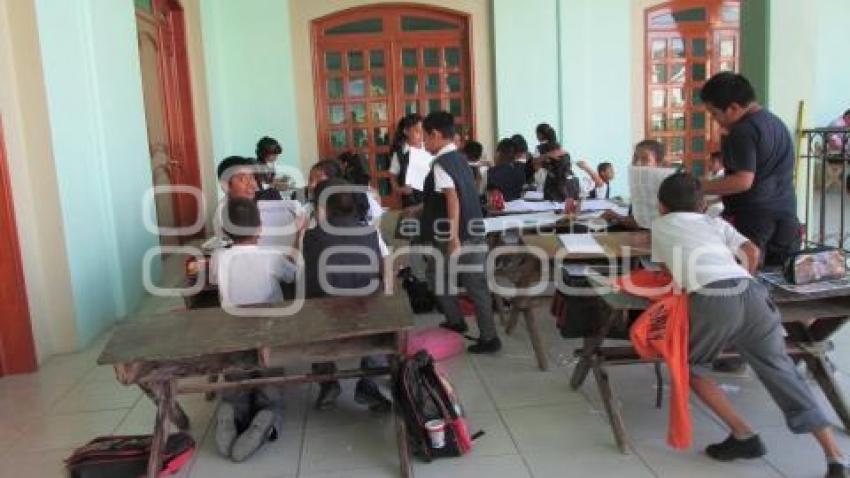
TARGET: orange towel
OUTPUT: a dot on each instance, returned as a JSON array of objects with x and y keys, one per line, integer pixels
[{"x": 662, "y": 331}]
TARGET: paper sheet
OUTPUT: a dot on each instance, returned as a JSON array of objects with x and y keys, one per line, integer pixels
[
  {"x": 581, "y": 244},
  {"x": 418, "y": 168},
  {"x": 520, "y": 221},
  {"x": 533, "y": 196},
  {"x": 521, "y": 205},
  {"x": 643, "y": 187},
  {"x": 278, "y": 222}
]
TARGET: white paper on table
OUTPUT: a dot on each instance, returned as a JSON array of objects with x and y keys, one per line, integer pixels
[
  {"x": 278, "y": 222},
  {"x": 581, "y": 244},
  {"x": 418, "y": 167},
  {"x": 643, "y": 186},
  {"x": 533, "y": 196},
  {"x": 521, "y": 205},
  {"x": 520, "y": 221},
  {"x": 597, "y": 205}
]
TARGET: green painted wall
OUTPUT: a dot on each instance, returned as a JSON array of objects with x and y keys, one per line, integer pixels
[
  {"x": 526, "y": 66},
  {"x": 755, "y": 45},
  {"x": 94, "y": 97},
  {"x": 247, "y": 47}
]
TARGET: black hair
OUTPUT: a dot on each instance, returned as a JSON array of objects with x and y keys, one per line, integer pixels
[
  {"x": 231, "y": 162},
  {"x": 681, "y": 192},
  {"x": 473, "y": 150},
  {"x": 267, "y": 146},
  {"x": 440, "y": 121},
  {"x": 520, "y": 143},
  {"x": 547, "y": 132},
  {"x": 846, "y": 113},
  {"x": 507, "y": 148},
  {"x": 405, "y": 123},
  {"x": 354, "y": 170},
  {"x": 243, "y": 219},
  {"x": 655, "y": 146},
  {"x": 329, "y": 167},
  {"x": 726, "y": 88},
  {"x": 602, "y": 167},
  {"x": 716, "y": 155},
  {"x": 547, "y": 148},
  {"x": 337, "y": 203}
]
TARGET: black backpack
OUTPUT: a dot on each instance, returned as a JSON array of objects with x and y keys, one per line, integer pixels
[
  {"x": 423, "y": 394},
  {"x": 418, "y": 293}
]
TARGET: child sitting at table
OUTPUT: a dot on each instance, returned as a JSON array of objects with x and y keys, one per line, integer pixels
[
  {"x": 474, "y": 151},
  {"x": 561, "y": 184},
  {"x": 649, "y": 154},
  {"x": 237, "y": 177},
  {"x": 523, "y": 157},
  {"x": 508, "y": 176},
  {"x": 340, "y": 226},
  {"x": 729, "y": 308},
  {"x": 248, "y": 274},
  {"x": 597, "y": 182}
]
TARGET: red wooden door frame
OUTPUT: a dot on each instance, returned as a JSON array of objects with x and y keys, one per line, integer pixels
[
  {"x": 17, "y": 349},
  {"x": 175, "y": 79}
]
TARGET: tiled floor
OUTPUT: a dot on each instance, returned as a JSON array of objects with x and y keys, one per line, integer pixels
[{"x": 535, "y": 425}]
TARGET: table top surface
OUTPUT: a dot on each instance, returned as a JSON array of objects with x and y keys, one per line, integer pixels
[
  {"x": 197, "y": 333},
  {"x": 615, "y": 244}
]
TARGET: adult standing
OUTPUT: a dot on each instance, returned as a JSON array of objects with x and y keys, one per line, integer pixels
[{"x": 758, "y": 158}]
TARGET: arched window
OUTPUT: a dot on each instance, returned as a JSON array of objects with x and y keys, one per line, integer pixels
[
  {"x": 373, "y": 65},
  {"x": 686, "y": 43}
]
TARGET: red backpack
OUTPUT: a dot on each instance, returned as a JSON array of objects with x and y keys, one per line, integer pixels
[
  {"x": 127, "y": 456},
  {"x": 423, "y": 394}
]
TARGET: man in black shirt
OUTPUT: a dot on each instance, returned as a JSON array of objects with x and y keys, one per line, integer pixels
[{"x": 758, "y": 158}]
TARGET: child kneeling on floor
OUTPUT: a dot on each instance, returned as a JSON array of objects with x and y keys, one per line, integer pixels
[
  {"x": 248, "y": 274},
  {"x": 730, "y": 308}
]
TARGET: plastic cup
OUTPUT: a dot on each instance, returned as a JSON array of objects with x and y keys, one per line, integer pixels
[{"x": 436, "y": 433}]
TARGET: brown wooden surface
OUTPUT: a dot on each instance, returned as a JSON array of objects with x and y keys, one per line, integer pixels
[
  {"x": 615, "y": 244},
  {"x": 204, "y": 332}
]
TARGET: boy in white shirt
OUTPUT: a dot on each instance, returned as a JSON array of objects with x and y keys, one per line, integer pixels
[
  {"x": 248, "y": 274},
  {"x": 597, "y": 183},
  {"x": 729, "y": 308}
]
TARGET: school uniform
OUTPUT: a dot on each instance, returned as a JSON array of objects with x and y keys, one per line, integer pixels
[
  {"x": 398, "y": 168},
  {"x": 560, "y": 183},
  {"x": 767, "y": 213},
  {"x": 729, "y": 308},
  {"x": 592, "y": 191},
  {"x": 509, "y": 178},
  {"x": 450, "y": 171}
]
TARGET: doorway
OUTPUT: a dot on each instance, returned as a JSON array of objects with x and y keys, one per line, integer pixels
[
  {"x": 166, "y": 85},
  {"x": 687, "y": 42},
  {"x": 374, "y": 64},
  {"x": 17, "y": 350}
]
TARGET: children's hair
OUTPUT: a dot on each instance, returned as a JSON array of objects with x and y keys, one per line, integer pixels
[
  {"x": 653, "y": 146},
  {"x": 473, "y": 150},
  {"x": 440, "y": 121},
  {"x": 726, "y": 88},
  {"x": 520, "y": 143},
  {"x": 400, "y": 136},
  {"x": 231, "y": 162},
  {"x": 545, "y": 131},
  {"x": 602, "y": 167},
  {"x": 681, "y": 192},
  {"x": 716, "y": 155},
  {"x": 847, "y": 113},
  {"x": 354, "y": 170},
  {"x": 547, "y": 148},
  {"x": 267, "y": 146},
  {"x": 243, "y": 219},
  {"x": 507, "y": 149},
  {"x": 338, "y": 203},
  {"x": 329, "y": 167}
]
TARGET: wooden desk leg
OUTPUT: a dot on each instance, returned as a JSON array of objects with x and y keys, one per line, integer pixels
[
  {"x": 177, "y": 415},
  {"x": 820, "y": 370},
  {"x": 534, "y": 335},
  {"x": 513, "y": 318},
  {"x": 165, "y": 397},
  {"x": 591, "y": 346},
  {"x": 612, "y": 409},
  {"x": 499, "y": 307},
  {"x": 402, "y": 442}
]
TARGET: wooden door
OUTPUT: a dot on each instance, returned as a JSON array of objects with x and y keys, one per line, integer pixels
[
  {"x": 168, "y": 111},
  {"x": 686, "y": 43},
  {"x": 17, "y": 351},
  {"x": 373, "y": 65}
]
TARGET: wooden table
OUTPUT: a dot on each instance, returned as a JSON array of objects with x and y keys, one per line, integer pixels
[
  {"x": 617, "y": 245},
  {"x": 810, "y": 321},
  {"x": 153, "y": 352}
]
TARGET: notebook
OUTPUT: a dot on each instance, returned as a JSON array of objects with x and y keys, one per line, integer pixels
[{"x": 581, "y": 244}]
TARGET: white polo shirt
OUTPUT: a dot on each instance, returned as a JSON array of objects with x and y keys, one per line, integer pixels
[
  {"x": 250, "y": 274},
  {"x": 442, "y": 180}
]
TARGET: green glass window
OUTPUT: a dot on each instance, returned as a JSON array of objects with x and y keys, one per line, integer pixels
[
  {"x": 698, "y": 47},
  {"x": 698, "y": 120},
  {"x": 411, "y": 84},
  {"x": 453, "y": 83},
  {"x": 452, "y": 57},
  {"x": 355, "y": 61},
  {"x": 382, "y": 138},
  {"x": 408, "y": 58},
  {"x": 431, "y": 57},
  {"x": 423, "y": 24},
  {"x": 691, "y": 15},
  {"x": 337, "y": 114},
  {"x": 731, "y": 13},
  {"x": 338, "y": 139},
  {"x": 384, "y": 187},
  {"x": 358, "y": 113},
  {"x": 335, "y": 88},
  {"x": 411, "y": 107},
  {"x": 698, "y": 168},
  {"x": 456, "y": 107},
  {"x": 696, "y": 98},
  {"x": 376, "y": 59},
  {"x": 434, "y": 105},
  {"x": 333, "y": 61},
  {"x": 432, "y": 83},
  {"x": 697, "y": 144},
  {"x": 361, "y": 138},
  {"x": 370, "y": 25},
  {"x": 699, "y": 72}
]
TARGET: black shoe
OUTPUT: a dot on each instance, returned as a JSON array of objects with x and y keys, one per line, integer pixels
[
  {"x": 836, "y": 470},
  {"x": 460, "y": 328},
  {"x": 732, "y": 365},
  {"x": 486, "y": 347},
  {"x": 329, "y": 392},
  {"x": 733, "y": 449},
  {"x": 367, "y": 393}
]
